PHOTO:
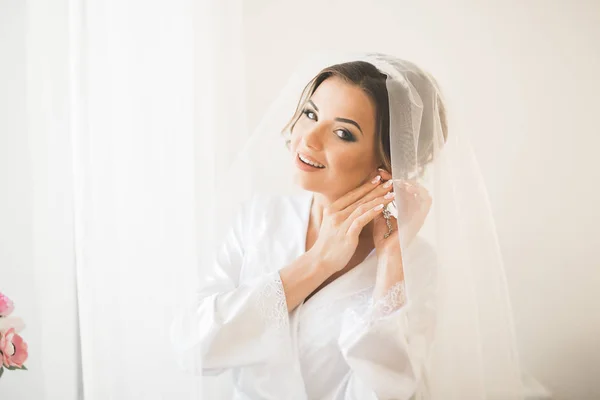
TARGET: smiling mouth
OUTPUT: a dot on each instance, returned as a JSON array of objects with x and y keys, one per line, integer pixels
[{"x": 310, "y": 162}]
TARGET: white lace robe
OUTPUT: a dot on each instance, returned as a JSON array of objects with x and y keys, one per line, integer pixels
[{"x": 336, "y": 345}]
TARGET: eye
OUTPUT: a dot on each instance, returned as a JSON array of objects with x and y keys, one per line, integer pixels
[
  {"x": 345, "y": 135},
  {"x": 310, "y": 114}
]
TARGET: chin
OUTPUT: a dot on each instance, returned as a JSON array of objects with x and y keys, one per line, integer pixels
[{"x": 308, "y": 183}]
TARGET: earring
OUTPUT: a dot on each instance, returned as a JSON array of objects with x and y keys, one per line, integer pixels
[{"x": 387, "y": 215}]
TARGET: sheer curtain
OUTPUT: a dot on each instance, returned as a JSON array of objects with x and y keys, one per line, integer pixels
[
  {"x": 157, "y": 82},
  {"x": 37, "y": 269},
  {"x": 132, "y": 106}
]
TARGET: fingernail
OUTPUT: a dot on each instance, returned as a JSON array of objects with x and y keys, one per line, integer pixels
[
  {"x": 388, "y": 184},
  {"x": 377, "y": 208},
  {"x": 376, "y": 179},
  {"x": 390, "y": 195}
]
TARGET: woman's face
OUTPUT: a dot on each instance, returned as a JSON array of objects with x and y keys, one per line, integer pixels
[{"x": 336, "y": 132}]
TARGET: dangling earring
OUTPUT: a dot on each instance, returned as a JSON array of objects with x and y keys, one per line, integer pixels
[{"x": 387, "y": 215}]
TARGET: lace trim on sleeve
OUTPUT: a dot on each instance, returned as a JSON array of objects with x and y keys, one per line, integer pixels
[
  {"x": 273, "y": 306},
  {"x": 394, "y": 299},
  {"x": 371, "y": 311}
]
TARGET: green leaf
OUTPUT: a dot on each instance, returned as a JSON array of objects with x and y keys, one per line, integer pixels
[
  {"x": 1, "y": 371},
  {"x": 16, "y": 368},
  {"x": 24, "y": 368}
]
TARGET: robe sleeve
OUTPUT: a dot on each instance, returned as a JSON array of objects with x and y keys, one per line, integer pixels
[
  {"x": 386, "y": 346},
  {"x": 228, "y": 324}
]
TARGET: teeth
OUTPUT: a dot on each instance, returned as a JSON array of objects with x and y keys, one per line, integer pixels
[{"x": 314, "y": 164}]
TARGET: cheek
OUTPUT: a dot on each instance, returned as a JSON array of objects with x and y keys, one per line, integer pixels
[
  {"x": 294, "y": 138},
  {"x": 296, "y": 135},
  {"x": 352, "y": 161}
]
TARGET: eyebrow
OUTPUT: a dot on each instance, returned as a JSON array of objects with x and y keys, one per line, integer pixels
[{"x": 346, "y": 120}]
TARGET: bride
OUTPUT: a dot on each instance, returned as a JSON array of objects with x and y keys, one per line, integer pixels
[{"x": 362, "y": 263}]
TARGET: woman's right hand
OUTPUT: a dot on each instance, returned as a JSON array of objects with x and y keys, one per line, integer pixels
[{"x": 343, "y": 221}]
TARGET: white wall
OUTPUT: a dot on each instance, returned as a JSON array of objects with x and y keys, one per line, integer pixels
[{"x": 521, "y": 78}]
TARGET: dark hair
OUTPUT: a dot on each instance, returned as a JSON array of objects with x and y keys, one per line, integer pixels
[{"x": 373, "y": 82}]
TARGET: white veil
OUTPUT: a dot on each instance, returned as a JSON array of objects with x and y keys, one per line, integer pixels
[{"x": 470, "y": 352}]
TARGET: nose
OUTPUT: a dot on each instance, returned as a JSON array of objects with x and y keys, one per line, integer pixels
[{"x": 313, "y": 138}]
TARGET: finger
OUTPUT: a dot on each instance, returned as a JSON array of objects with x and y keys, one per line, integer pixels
[
  {"x": 380, "y": 191},
  {"x": 366, "y": 208},
  {"x": 385, "y": 175},
  {"x": 356, "y": 194},
  {"x": 419, "y": 192},
  {"x": 361, "y": 221}
]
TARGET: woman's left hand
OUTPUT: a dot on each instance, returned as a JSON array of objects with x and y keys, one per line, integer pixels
[{"x": 415, "y": 203}]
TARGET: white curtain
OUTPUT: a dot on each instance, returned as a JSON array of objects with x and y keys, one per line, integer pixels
[
  {"x": 132, "y": 107},
  {"x": 37, "y": 268},
  {"x": 160, "y": 81}
]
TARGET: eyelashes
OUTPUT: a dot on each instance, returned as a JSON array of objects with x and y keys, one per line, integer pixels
[
  {"x": 308, "y": 111},
  {"x": 343, "y": 134},
  {"x": 347, "y": 136}
]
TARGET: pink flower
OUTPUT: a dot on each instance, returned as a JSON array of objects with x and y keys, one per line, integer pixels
[
  {"x": 6, "y": 306},
  {"x": 13, "y": 349}
]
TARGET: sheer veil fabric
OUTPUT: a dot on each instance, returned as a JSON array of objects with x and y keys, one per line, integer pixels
[{"x": 471, "y": 351}]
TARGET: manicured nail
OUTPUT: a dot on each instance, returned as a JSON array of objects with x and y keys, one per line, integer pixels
[
  {"x": 377, "y": 208},
  {"x": 376, "y": 179},
  {"x": 388, "y": 184},
  {"x": 390, "y": 195}
]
